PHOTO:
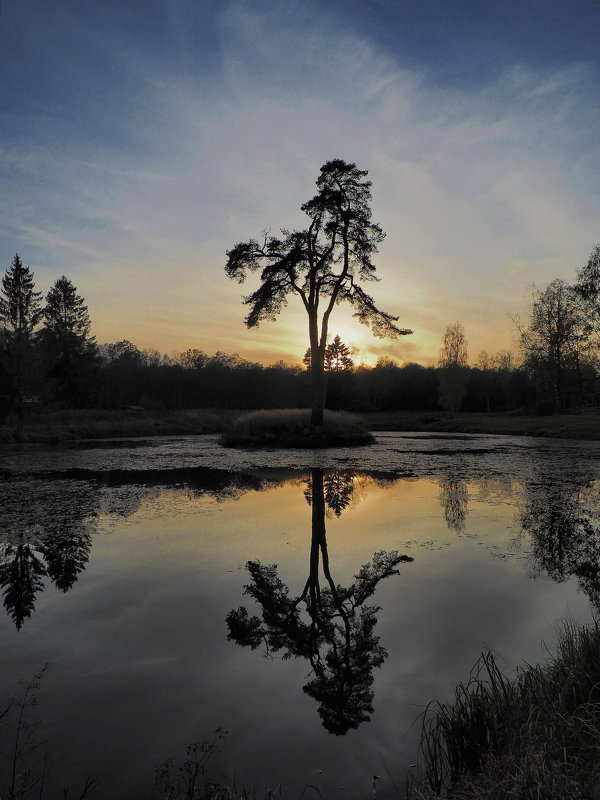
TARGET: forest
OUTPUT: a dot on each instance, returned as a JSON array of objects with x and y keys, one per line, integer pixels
[{"x": 50, "y": 359}]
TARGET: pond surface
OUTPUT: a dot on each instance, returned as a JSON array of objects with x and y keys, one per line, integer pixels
[{"x": 144, "y": 576}]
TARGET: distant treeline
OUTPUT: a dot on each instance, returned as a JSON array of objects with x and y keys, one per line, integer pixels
[
  {"x": 119, "y": 375},
  {"x": 49, "y": 359}
]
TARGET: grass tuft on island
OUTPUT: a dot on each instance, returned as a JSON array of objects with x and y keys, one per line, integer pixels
[
  {"x": 291, "y": 428},
  {"x": 535, "y": 736}
]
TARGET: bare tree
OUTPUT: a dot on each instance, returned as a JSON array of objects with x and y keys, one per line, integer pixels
[
  {"x": 588, "y": 287},
  {"x": 321, "y": 264},
  {"x": 557, "y": 340},
  {"x": 453, "y": 367}
]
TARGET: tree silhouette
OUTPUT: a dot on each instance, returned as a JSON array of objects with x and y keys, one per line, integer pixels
[
  {"x": 588, "y": 286},
  {"x": 21, "y": 573},
  {"x": 337, "y": 636},
  {"x": 337, "y": 357},
  {"x": 556, "y": 340},
  {"x": 19, "y": 314},
  {"x": 69, "y": 351},
  {"x": 453, "y": 371},
  {"x": 322, "y": 264}
]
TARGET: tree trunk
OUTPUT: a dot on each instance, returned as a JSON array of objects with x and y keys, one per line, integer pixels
[{"x": 317, "y": 374}]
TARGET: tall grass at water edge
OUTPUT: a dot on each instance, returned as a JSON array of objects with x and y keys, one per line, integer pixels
[
  {"x": 69, "y": 425},
  {"x": 535, "y": 737},
  {"x": 54, "y": 427}
]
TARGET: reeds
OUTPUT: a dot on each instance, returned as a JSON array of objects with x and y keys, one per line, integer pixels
[
  {"x": 69, "y": 425},
  {"x": 535, "y": 736}
]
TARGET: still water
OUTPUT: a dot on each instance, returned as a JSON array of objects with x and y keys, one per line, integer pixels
[{"x": 311, "y": 604}]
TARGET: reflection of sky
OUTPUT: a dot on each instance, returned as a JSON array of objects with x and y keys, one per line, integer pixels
[
  {"x": 140, "y": 664},
  {"x": 138, "y": 143}
]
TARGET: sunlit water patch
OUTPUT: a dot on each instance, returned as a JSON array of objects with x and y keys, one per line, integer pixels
[{"x": 312, "y": 607}]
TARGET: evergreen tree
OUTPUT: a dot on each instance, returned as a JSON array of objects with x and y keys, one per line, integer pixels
[
  {"x": 19, "y": 314},
  {"x": 69, "y": 350},
  {"x": 322, "y": 264},
  {"x": 337, "y": 356}
]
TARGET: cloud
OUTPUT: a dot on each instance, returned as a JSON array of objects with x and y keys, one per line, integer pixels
[{"x": 481, "y": 191}]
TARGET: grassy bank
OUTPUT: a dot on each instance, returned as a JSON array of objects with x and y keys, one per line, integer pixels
[
  {"x": 62, "y": 426},
  {"x": 535, "y": 736},
  {"x": 560, "y": 426}
]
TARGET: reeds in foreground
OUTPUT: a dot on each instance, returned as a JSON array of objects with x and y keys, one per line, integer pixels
[{"x": 536, "y": 736}]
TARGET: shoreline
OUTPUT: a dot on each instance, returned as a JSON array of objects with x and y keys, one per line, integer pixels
[{"x": 59, "y": 427}]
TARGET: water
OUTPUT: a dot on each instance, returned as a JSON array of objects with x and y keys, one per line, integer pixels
[{"x": 122, "y": 567}]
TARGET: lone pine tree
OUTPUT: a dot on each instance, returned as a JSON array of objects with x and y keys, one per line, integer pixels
[{"x": 321, "y": 264}]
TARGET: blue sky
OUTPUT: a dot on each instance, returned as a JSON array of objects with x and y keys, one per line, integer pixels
[{"x": 140, "y": 140}]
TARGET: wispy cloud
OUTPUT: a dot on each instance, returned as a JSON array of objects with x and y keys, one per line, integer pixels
[{"x": 481, "y": 191}]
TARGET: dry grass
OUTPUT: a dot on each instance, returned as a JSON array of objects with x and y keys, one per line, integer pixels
[
  {"x": 58, "y": 426},
  {"x": 535, "y": 737},
  {"x": 561, "y": 426},
  {"x": 292, "y": 428}
]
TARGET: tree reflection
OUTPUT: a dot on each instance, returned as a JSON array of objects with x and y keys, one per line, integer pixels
[
  {"x": 454, "y": 499},
  {"x": 563, "y": 521},
  {"x": 337, "y": 636},
  {"x": 46, "y": 533},
  {"x": 66, "y": 551},
  {"x": 21, "y": 573}
]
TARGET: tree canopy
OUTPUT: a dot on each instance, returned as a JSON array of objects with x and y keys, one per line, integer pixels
[{"x": 323, "y": 264}]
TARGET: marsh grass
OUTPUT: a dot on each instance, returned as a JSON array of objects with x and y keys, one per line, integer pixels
[
  {"x": 55, "y": 427},
  {"x": 560, "y": 426},
  {"x": 535, "y": 736},
  {"x": 292, "y": 428}
]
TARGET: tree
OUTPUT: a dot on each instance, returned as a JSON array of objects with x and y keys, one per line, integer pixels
[
  {"x": 337, "y": 357},
  {"x": 321, "y": 264},
  {"x": 588, "y": 286},
  {"x": 19, "y": 314},
  {"x": 69, "y": 351},
  {"x": 453, "y": 367},
  {"x": 192, "y": 358},
  {"x": 556, "y": 341},
  {"x": 121, "y": 374}
]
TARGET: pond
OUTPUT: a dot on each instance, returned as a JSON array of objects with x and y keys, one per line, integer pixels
[{"x": 309, "y": 603}]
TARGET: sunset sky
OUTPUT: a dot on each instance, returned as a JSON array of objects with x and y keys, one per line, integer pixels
[{"x": 141, "y": 140}]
